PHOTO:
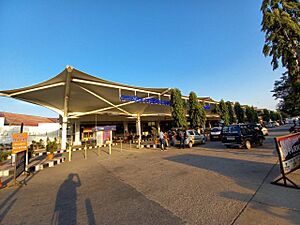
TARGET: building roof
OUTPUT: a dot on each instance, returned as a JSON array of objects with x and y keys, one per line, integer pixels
[
  {"x": 73, "y": 94},
  {"x": 14, "y": 119},
  {"x": 90, "y": 95}
]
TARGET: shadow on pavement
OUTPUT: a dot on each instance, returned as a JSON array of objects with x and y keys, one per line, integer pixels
[
  {"x": 10, "y": 200},
  {"x": 116, "y": 202},
  {"x": 90, "y": 212},
  {"x": 247, "y": 174},
  {"x": 65, "y": 211}
]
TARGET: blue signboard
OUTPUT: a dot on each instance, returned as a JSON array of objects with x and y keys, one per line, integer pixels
[
  {"x": 207, "y": 107},
  {"x": 105, "y": 128},
  {"x": 144, "y": 100}
]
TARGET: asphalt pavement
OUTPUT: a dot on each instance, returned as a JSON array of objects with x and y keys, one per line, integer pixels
[{"x": 207, "y": 184}]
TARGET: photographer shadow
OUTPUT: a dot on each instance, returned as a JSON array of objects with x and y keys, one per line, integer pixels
[{"x": 65, "y": 211}]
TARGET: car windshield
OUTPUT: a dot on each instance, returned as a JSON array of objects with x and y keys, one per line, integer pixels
[
  {"x": 190, "y": 132},
  {"x": 215, "y": 130},
  {"x": 196, "y": 132},
  {"x": 231, "y": 129}
]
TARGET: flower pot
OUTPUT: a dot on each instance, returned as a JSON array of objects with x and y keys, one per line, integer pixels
[{"x": 50, "y": 156}]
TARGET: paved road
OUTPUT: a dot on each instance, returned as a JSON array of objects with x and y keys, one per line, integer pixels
[{"x": 207, "y": 184}]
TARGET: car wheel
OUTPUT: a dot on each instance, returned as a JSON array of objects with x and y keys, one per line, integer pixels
[
  {"x": 248, "y": 145},
  {"x": 190, "y": 144},
  {"x": 228, "y": 146}
]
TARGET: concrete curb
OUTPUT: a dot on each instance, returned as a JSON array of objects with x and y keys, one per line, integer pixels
[
  {"x": 149, "y": 146},
  {"x": 43, "y": 165},
  {"x": 73, "y": 149}
]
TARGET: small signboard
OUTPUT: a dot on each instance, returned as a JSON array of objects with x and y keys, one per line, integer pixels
[
  {"x": 20, "y": 163},
  {"x": 105, "y": 128},
  {"x": 103, "y": 136},
  {"x": 288, "y": 148},
  {"x": 19, "y": 142}
]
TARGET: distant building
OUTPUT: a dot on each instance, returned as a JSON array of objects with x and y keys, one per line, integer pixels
[{"x": 37, "y": 127}]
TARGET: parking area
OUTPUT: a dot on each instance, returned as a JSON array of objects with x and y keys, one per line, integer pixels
[{"x": 207, "y": 184}]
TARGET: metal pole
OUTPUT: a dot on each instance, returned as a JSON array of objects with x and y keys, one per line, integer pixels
[
  {"x": 70, "y": 153},
  {"x": 121, "y": 142},
  {"x": 130, "y": 144},
  {"x": 26, "y": 155},
  {"x": 98, "y": 150},
  {"x": 138, "y": 129},
  {"x": 85, "y": 152},
  {"x": 69, "y": 70},
  {"x": 109, "y": 145}
]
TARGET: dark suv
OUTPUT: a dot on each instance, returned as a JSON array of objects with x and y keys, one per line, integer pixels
[{"x": 242, "y": 136}]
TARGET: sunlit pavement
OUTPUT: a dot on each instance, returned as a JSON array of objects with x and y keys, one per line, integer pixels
[{"x": 207, "y": 184}]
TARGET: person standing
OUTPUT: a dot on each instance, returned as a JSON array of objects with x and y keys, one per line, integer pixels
[
  {"x": 161, "y": 137},
  {"x": 181, "y": 136},
  {"x": 171, "y": 138}
]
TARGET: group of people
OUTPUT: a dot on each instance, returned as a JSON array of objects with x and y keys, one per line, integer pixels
[{"x": 167, "y": 139}]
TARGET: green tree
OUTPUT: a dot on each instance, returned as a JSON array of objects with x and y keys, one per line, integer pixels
[
  {"x": 273, "y": 116},
  {"x": 239, "y": 112},
  {"x": 280, "y": 23},
  {"x": 232, "y": 118},
  {"x": 283, "y": 115},
  {"x": 197, "y": 114},
  {"x": 222, "y": 110},
  {"x": 279, "y": 116},
  {"x": 249, "y": 114},
  {"x": 288, "y": 92},
  {"x": 202, "y": 114},
  {"x": 254, "y": 115},
  {"x": 281, "y": 19},
  {"x": 178, "y": 109},
  {"x": 266, "y": 115}
]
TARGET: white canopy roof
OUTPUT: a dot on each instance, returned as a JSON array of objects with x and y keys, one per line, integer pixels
[{"x": 73, "y": 93}]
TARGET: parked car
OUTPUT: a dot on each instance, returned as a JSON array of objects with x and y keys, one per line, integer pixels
[
  {"x": 242, "y": 136},
  {"x": 270, "y": 125},
  {"x": 275, "y": 124},
  {"x": 294, "y": 129},
  {"x": 193, "y": 138},
  {"x": 263, "y": 129},
  {"x": 216, "y": 133}
]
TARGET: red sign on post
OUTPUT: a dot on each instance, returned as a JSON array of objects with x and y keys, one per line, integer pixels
[
  {"x": 288, "y": 149},
  {"x": 19, "y": 142}
]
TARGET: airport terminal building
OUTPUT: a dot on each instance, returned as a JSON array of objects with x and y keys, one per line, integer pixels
[{"x": 85, "y": 101}]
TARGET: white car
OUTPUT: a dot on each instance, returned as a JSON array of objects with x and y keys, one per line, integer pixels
[
  {"x": 265, "y": 131},
  {"x": 193, "y": 137},
  {"x": 216, "y": 133}
]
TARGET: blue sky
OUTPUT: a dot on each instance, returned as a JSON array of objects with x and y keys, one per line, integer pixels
[{"x": 211, "y": 47}]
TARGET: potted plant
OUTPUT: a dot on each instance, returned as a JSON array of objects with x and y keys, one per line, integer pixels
[{"x": 51, "y": 147}]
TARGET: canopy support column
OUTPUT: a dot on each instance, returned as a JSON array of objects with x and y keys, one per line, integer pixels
[
  {"x": 138, "y": 129},
  {"x": 158, "y": 126},
  {"x": 77, "y": 133},
  {"x": 64, "y": 133},
  {"x": 125, "y": 125},
  {"x": 66, "y": 108}
]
